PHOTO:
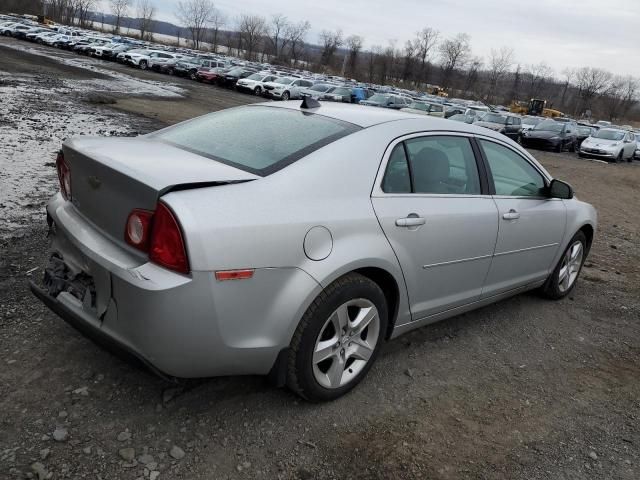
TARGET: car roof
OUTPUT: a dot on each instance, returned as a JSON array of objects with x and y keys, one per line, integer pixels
[{"x": 370, "y": 116}]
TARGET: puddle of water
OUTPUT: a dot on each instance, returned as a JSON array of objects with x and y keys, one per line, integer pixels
[{"x": 34, "y": 121}]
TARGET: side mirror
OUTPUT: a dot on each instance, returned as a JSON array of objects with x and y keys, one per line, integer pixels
[{"x": 560, "y": 189}]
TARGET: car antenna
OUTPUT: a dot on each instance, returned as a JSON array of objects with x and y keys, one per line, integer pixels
[{"x": 309, "y": 102}]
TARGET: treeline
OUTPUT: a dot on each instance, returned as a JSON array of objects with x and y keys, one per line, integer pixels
[{"x": 427, "y": 59}]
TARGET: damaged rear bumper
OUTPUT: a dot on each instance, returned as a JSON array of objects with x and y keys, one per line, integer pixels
[{"x": 67, "y": 307}]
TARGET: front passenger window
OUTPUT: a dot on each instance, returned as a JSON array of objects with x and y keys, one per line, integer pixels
[{"x": 513, "y": 176}]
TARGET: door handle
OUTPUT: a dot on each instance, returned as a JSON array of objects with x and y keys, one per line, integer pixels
[
  {"x": 410, "y": 221},
  {"x": 511, "y": 215}
]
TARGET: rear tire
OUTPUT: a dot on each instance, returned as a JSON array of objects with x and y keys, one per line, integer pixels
[
  {"x": 564, "y": 277},
  {"x": 329, "y": 353}
]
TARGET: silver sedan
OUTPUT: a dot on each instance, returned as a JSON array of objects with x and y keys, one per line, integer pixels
[{"x": 293, "y": 240}]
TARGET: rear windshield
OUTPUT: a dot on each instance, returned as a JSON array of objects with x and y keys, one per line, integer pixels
[{"x": 260, "y": 140}]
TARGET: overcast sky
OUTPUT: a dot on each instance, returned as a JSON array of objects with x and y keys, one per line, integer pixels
[{"x": 562, "y": 33}]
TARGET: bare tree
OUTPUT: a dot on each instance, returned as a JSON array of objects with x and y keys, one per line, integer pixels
[
  {"x": 569, "y": 75},
  {"x": 620, "y": 96},
  {"x": 146, "y": 12},
  {"x": 538, "y": 75},
  {"x": 295, "y": 35},
  {"x": 590, "y": 82},
  {"x": 514, "y": 94},
  {"x": 354, "y": 45},
  {"x": 410, "y": 52},
  {"x": 473, "y": 74},
  {"x": 276, "y": 31},
  {"x": 453, "y": 53},
  {"x": 500, "y": 62},
  {"x": 426, "y": 40},
  {"x": 218, "y": 21},
  {"x": 251, "y": 29},
  {"x": 196, "y": 15},
  {"x": 330, "y": 42},
  {"x": 119, "y": 8}
]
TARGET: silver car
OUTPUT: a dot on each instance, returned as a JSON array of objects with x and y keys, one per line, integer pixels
[
  {"x": 610, "y": 144},
  {"x": 216, "y": 248}
]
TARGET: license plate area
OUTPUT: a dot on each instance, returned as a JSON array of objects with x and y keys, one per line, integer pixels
[{"x": 70, "y": 270}]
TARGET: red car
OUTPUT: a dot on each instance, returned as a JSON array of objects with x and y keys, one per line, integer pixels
[{"x": 210, "y": 75}]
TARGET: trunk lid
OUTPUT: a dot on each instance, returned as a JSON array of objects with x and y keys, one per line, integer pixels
[{"x": 111, "y": 177}]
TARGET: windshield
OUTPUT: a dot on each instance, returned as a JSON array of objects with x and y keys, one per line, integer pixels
[
  {"x": 255, "y": 76},
  {"x": 549, "y": 126},
  {"x": 419, "y": 106},
  {"x": 584, "y": 131},
  {"x": 494, "y": 118},
  {"x": 235, "y": 71},
  {"x": 284, "y": 136},
  {"x": 284, "y": 80},
  {"x": 341, "y": 91},
  {"x": 531, "y": 120},
  {"x": 610, "y": 135},
  {"x": 379, "y": 98},
  {"x": 320, "y": 88}
]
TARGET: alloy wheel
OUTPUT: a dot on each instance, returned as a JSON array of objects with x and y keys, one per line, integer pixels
[
  {"x": 570, "y": 266},
  {"x": 346, "y": 343}
]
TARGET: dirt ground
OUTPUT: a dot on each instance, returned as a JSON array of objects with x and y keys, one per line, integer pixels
[{"x": 523, "y": 389}]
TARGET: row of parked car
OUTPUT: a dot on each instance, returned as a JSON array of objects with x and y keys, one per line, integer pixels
[{"x": 601, "y": 140}]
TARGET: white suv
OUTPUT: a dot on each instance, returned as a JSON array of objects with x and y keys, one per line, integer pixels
[
  {"x": 255, "y": 83},
  {"x": 162, "y": 61},
  {"x": 286, "y": 88}
]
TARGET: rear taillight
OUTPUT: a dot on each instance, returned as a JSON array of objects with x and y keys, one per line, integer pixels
[
  {"x": 158, "y": 233},
  {"x": 138, "y": 229},
  {"x": 167, "y": 244},
  {"x": 64, "y": 176}
]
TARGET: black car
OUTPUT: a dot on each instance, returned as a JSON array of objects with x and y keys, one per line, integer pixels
[
  {"x": 583, "y": 133},
  {"x": 338, "y": 94},
  {"x": 509, "y": 125},
  {"x": 552, "y": 135},
  {"x": 387, "y": 100},
  {"x": 230, "y": 78}
]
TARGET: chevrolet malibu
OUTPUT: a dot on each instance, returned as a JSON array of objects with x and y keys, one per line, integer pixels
[{"x": 215, "y": 248}]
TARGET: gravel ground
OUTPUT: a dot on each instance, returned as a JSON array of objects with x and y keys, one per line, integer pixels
[{"x": 523, "y": 389}]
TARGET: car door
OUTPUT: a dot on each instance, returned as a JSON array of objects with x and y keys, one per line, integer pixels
[
  {"x": 435, "y": 210},
  {"x": 531, "y": 225},
  {"x": 629, "y": 145}
]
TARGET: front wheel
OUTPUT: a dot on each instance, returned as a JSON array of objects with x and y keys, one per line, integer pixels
[
  {"x": 285, "y": 96},
  {"x": 572, "y": 147},
  {"x": 337, "y": 339},
  {"x": 564, "y": 277},
  {"x": 143, "y": 64},
  {"x": 257, "y": 91},
  {"x": 620, "y": 157}
]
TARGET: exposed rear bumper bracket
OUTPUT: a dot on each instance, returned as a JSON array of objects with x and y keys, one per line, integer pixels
[{"x": 95, "y": 334}]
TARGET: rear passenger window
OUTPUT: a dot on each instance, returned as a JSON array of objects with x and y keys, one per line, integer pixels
[
  {"x": 443, "y": 165},
  {"x": 397, "y": 178}
]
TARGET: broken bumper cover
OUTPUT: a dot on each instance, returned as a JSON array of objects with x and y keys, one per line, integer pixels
[
  {"x": 65, "y": 308},
  {"x": 185, "y": 326}
]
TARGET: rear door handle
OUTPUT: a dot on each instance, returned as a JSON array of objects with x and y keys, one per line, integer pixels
[
  {"x": 410, "y": 221},
  {"x": 511, "y": 215}
]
